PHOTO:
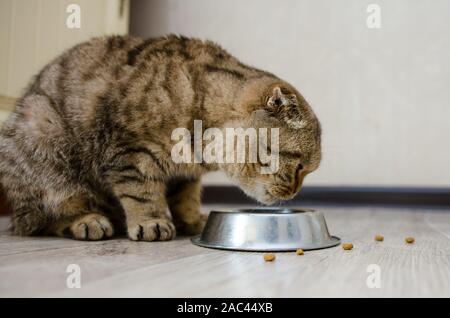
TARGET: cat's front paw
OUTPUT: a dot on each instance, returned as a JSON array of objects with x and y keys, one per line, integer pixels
[
  {"x": 193, "y": 228},
  {"x": 156, "y": 229}
]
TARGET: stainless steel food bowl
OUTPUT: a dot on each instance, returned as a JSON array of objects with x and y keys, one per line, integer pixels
[{"x": 266, "y": 229}]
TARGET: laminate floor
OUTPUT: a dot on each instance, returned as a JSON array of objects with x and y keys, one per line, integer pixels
[{"x": 37, "y": 266}]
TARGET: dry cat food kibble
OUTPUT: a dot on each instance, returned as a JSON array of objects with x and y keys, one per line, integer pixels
[
  {"x": 347, "y": 246},
  {"x": 379, "y": 238},
  {"x": 299, "y": 252},
  {"x": 269, "y": 257},
  {"x": 409, "y": 240}
]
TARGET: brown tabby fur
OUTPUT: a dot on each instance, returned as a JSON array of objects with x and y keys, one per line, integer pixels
[{"x": 86, "y": 152}]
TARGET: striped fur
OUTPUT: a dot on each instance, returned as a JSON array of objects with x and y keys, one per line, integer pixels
[{"x": 86, "y": 152}]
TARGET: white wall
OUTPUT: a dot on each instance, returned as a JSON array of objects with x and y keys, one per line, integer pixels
[
  {"x": 33, "y": 32},
  {"x": 382, "y": 95}
]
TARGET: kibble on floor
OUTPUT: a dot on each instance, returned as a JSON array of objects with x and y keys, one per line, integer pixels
[
  {"x": 299, "y": 252},
  {"x": 379, "y": 238},
  {"x": 269, "y": 257},
  {"x": 409, "y": 240},
  {"x": 347, "y": 246}
]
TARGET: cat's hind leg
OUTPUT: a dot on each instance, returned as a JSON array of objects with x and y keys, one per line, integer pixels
[
  {"x": 40, "y": 169},
  {"x": 89, "y": 227},
  {"x": 75, "y": 217},
  {"x": 28, "y": 217},
  {"x": 81, "y": 217}
]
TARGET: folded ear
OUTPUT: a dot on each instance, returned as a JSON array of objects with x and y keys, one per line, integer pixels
[
  {"x": 285, "y": 107},
  {"x": 277, "y": 98}
]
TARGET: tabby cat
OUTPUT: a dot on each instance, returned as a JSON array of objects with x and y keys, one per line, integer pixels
[{"x": 86, "y": 153}]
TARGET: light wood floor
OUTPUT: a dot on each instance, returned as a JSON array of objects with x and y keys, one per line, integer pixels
[{"x": 37, "y": 266}]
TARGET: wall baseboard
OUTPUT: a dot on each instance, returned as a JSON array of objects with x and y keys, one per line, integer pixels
[
  {"x": 379, "y": 196},
  {"x": 432, "y": 197}
]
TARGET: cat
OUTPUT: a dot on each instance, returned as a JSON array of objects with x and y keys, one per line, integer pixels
[{"x": 86, "y": 152}]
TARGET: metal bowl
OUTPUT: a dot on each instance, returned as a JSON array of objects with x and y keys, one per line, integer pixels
[{"x": 266, "y": 229}]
